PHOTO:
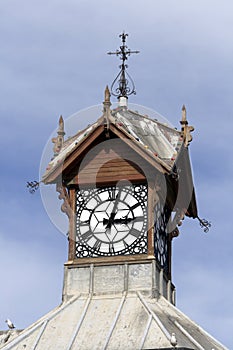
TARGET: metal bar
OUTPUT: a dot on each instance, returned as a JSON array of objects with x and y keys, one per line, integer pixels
[
  {"x": 40, "y": 334},
  {"x": 115, "y": 321},
  {"x": 79, "y": 323},
  {"x": 181, "y": 328},
  {"x": 91, "y": 283},
  {"x": 150, "y": 218},
  {"x": 126, "y": 277},
  {"x": 155, "y": 317},
  {"x": 146, "y": 331},
  {"x": 32, "y": 329}
]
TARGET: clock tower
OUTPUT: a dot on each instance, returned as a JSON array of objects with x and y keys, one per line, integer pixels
[{"x": 125, "y": 183}]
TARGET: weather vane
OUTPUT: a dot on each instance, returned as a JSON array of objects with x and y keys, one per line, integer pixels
[{"x": 126, "y": 85}]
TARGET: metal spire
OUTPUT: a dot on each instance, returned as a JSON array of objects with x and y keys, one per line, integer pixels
[{"x": 126, "y": 85}]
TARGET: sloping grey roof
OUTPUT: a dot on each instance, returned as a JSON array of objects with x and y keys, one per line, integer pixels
[
  {"x": 160, "y": 140},
  {"x": 113, "y": 322}
]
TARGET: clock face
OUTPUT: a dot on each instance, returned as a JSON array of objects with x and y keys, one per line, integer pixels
[
  {"x": 111, "y": 221},
  {"x": 161, "y": 235}
]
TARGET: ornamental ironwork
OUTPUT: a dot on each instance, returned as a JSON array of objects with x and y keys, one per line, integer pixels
[
  {"x": 161, "y": 236},
  {"x": 33, "y": 186},
  {"x": 123, "y": 84}
]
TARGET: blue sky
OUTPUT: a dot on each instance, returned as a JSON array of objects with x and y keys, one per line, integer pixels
[{"x": 53, "y": 61}]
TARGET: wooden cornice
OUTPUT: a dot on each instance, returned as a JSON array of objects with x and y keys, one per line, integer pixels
[{"x": 121, "y": 259}]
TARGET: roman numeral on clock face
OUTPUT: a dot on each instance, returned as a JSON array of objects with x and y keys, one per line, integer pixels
[
  {"x": 111, "y": 248},
  {"x": 134, "y": 232},
  {"x": 112, "y": 193},
  {"x": 97, "y": 245},
  {"x": 138, "y": 219},
  {"x": 126, "y": 245},
  {"x": 87, "y": 235}
]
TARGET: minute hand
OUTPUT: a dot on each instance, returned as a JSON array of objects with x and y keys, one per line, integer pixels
[{"x": 114, "y": 211}]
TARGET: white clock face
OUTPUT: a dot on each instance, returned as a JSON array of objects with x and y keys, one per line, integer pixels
[{"x": 111, "y": 221}]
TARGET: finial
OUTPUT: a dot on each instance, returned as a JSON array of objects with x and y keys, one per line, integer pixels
[
  {"x": 106, "y": 110},
  {"x": 107, "y": 102},
  {"x": 184, "y": 119},
  {"x": 185, "y": 128},
  {"x": 107, "y": 94},
  {"x": 123, "y": 78},
  {"x": 59, "y": 140},
  {"x": 61, "y": 124}
]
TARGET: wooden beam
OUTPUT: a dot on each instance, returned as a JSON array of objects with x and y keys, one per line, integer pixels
[
  {"x": 150, "y": 211},
  {"x": 72, "y": 226},
  {"x": 110, "y": 260}
]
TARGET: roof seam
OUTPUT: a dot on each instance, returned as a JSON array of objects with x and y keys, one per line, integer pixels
[
  {"x": 186, "y": 333},
  {"x": 115, "y": 321},
  {"x": 40, "y": 334},
  {"x": 31, "y": 330},
  {"x": 79, "y": 323},
  {"x": 150, "y": 318},
  {"x": 155, "y": 317}
]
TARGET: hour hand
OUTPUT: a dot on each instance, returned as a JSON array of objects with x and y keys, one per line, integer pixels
[
  {"x": 110, "y": 221},
  {"x": 123, "y": 221}
]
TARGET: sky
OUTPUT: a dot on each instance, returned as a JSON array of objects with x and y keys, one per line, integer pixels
[{"x": 53, "y": 61}]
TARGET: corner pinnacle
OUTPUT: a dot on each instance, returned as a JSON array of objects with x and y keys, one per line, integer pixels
[
  {"x": 107, "y": 94},
  {"x": 184, "y": 118},
  {"x": 185, "y": 128}
]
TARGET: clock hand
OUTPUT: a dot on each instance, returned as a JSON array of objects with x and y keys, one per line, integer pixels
[
  {"x": 124, "y": 221},
  {"x": 114, "y": 211},
  {"x": 112, "y": 221}
]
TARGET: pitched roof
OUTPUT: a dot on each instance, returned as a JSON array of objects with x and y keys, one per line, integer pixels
[
  {"x": 128, "y": 321},
  {"x": 160, "y": 141}
]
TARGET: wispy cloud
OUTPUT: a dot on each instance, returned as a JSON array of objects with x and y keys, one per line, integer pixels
[{"x": 53, "y": 61}]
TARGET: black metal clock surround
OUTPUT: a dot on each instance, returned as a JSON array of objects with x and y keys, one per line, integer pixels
[
  {"x": 111, "y": 220},
  {"x": 161, "y": 236}
]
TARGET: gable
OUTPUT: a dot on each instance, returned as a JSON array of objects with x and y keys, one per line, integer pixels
[
  {"x": 72, "y": 155},
  {"x": 108, "y": 161}
]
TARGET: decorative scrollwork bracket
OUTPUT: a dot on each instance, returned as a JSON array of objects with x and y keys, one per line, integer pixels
[
  {"x": 205, "y": 224},
  {"x": 33, "y": 186},
  {"x": 66, "y": 205}
]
